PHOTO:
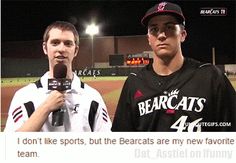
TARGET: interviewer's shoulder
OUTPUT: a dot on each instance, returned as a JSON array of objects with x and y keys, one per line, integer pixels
[
  {"x": 90, "y": 90},
  {"x": 27, "y": 89}
]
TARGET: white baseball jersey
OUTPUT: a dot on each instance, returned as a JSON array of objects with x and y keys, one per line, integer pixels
[{"x": 85, "y": 108}]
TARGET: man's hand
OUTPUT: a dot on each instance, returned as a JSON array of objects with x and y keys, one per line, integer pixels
[{"x": 54, "y": 101}]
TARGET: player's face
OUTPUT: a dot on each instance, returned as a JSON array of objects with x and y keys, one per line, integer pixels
[
  {"x": 165, "y": 35},
  {"x": 60, "y": 48}
]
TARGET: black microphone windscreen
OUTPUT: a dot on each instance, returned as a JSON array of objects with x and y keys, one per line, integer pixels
[{"x": 59, "y": 71}]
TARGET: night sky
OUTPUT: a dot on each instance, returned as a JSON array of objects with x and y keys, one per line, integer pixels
[{"x": 27, "y": 20}]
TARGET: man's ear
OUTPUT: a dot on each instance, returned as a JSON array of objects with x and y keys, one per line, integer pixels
[
  {"x": 183, "y": 35},
  {"x": 76, "y": 50},
  {"x": 45, "y": 48},
  {"x": 148, "y": 39}
]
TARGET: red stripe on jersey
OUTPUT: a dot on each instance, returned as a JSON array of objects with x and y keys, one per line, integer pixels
[
  {"x": 104, "y": 110},
  {"x": 18, "y": 113},
  {"x": 105, "y": 115},
  {"x": 16, "y": 110},
  {"x": 104, "y": 119},
  {"x": 20, "y": 116}
]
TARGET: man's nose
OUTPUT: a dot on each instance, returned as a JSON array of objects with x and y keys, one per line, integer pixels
[
  {"x": 61, "y": 47},
  {"x": 161, "y": 35}
]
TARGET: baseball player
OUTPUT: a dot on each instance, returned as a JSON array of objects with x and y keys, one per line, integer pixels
[
  {"x": 32, "y": 106},
  {"x": 174, "y": 93}
]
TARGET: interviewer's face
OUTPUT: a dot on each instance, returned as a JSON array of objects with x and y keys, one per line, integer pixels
[{"x": 60, "y": 48}]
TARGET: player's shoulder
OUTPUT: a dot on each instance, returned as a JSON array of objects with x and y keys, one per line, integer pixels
[
  {"x": 192, "y": 63},
  {"x": 133, "y": 76},
  {"x": 139, "y": 74},
  {"x": 196, "y": 63},
  {"x": 205, "y": 68}
]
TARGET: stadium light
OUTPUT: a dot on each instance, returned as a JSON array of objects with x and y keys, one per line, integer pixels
[{"x": 92, "y": 30}]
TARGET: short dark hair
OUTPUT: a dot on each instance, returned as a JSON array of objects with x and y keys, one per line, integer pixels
[{"x": 65, "y": 26}]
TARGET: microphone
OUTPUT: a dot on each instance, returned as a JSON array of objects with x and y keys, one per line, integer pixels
[{"x": 59, "y": 83}]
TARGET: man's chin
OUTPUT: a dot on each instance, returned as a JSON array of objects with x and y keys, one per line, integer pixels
[
  {"x": 59, "y": 61},
  {"x": 165, "y": 56},
  {"x": 163, "y": 53}
]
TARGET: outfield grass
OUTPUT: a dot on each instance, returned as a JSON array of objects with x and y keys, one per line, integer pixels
[
  {"x": 234, "y": 84},
  {"x": 233, "y": 81}
]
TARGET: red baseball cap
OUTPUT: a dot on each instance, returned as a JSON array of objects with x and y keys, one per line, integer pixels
[{"x": 164, "y": 8}]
